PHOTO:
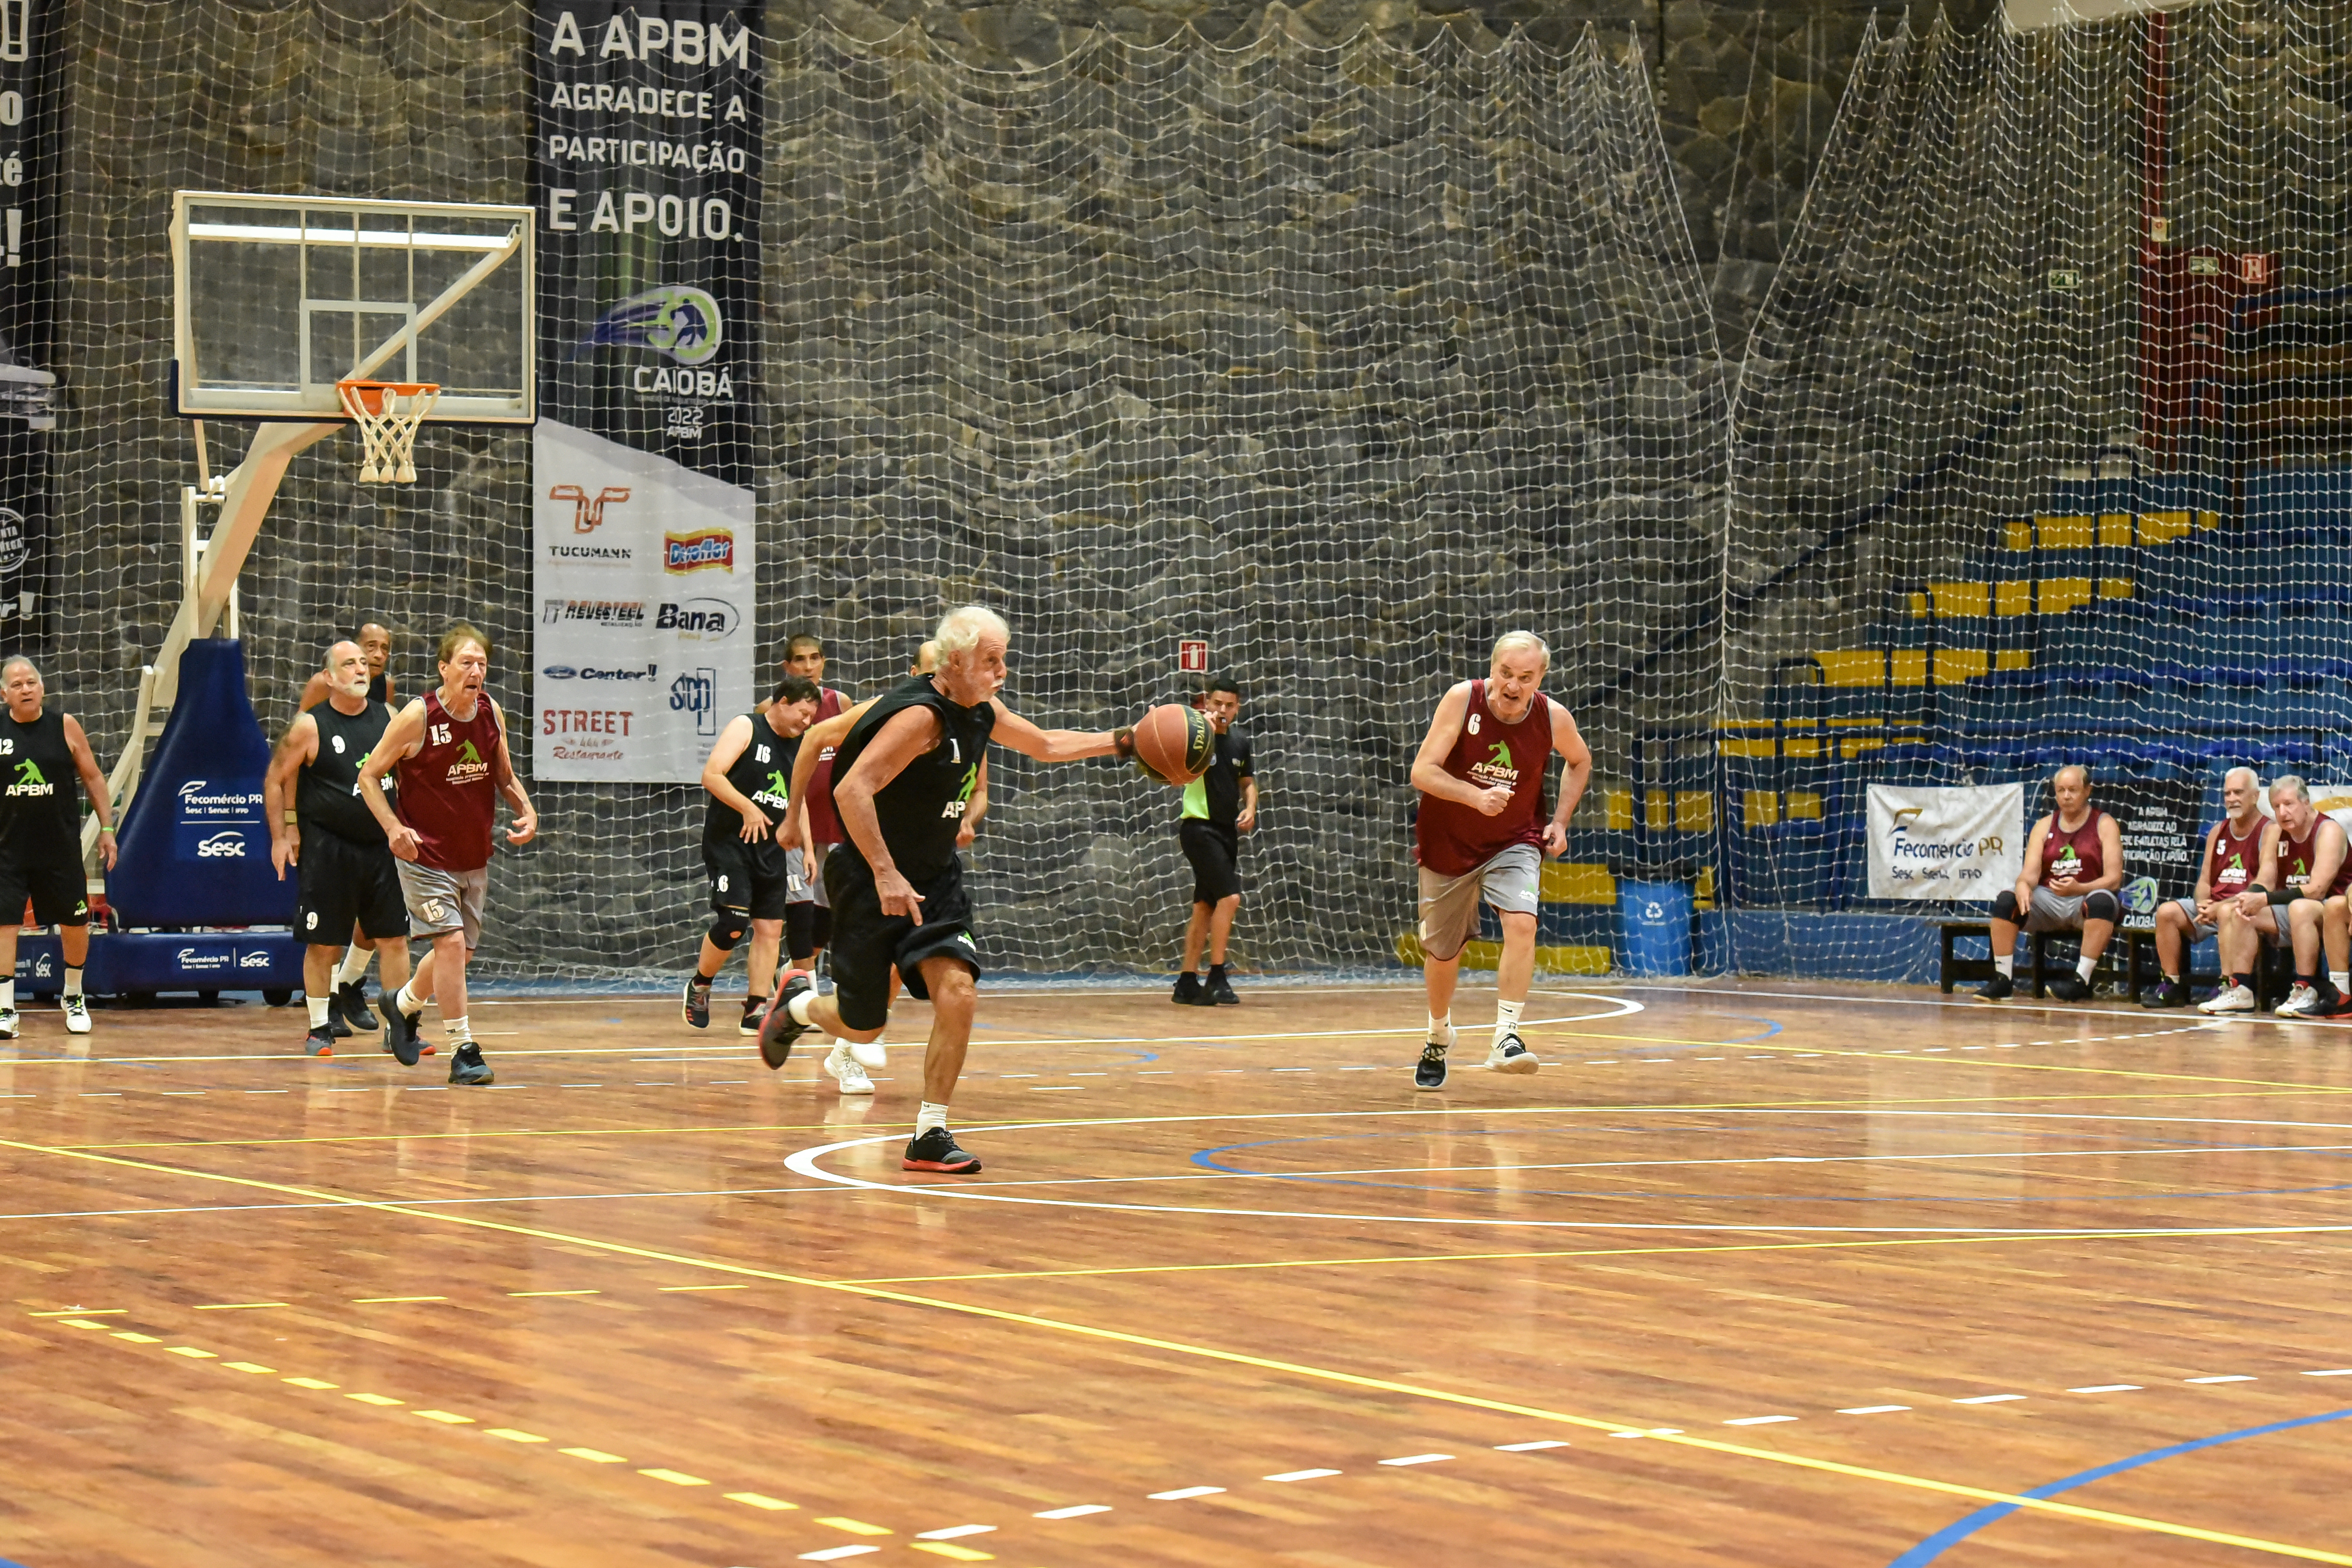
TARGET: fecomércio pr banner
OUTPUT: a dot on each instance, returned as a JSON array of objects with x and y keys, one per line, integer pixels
[
  {"x": 32, "y": 115},
  {"x": 647, "y": 159}
]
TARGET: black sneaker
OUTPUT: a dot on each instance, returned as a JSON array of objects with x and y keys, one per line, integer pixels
[
  {"x": 697, "y": 1002},
  {"x": 1187, "y": 990},
  {"x": 936, "y": 1150},
  {"x": 1999, "y": 988},
  {"x": 466, "y": 1066},
  {"x": 2069, "y": 987},
  {"x": 2165, "y": 993},
  {"x": 337, "y": 1028},
  {"x": 351, "y": 1003},
  {"x": 321, "y": 1041},
  {"x": 1430, "y": 1071},
  {"x": 752, "y": 1007},
  {"x": 777, "y": 1030},
  {"x": 1219, "y": 992},
  {"x": 400, "y": 1031}
]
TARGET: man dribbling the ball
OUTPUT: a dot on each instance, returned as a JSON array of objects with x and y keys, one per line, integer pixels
[
  {"x": 1480, "y": 772},
  {"x": 902, "y": 779}
]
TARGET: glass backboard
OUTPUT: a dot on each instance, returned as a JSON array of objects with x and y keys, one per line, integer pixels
[{"x": 278, "y": 298}]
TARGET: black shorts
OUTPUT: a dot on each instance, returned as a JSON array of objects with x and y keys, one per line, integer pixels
[
  {"x": 747, "y": 876},
  {"x": 1214, "y": 850},
  {"x": 53, "y": 881},
  {"x": 345, "y": 883},
  {"x": 867, "y": 944}
]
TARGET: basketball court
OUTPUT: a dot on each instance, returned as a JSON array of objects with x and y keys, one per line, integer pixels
[{"x": 1227, "y": 1289}]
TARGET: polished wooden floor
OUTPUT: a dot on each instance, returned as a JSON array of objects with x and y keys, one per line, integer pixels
[{"x": 1769, "y": 1274}]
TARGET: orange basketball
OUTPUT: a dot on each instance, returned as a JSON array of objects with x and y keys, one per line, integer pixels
[{"x": 1173, "y": 743}]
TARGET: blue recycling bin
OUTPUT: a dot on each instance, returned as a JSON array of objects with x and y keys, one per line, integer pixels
[{"x": 1653, "y": 927}]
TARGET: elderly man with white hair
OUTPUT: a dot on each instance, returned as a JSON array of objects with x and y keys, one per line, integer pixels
[
  {"x": 1477, "y": 839},
  {"x": 903, "y": 778},
  {"x": 2303, "y": 857},
  {"x": 2074, "y": 864},
  {"x": 2234, "y": 852}
]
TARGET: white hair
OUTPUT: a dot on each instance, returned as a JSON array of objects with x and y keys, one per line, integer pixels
[
  {"x": 960, "y": 631},
  {"x": 2082, "y": 774},
  {"x": 14, "y": 660},
  {"x": 1527, "y": 640},
  {"x": 2291, "y": 782},
  {"x": 2253, "y": 780}
]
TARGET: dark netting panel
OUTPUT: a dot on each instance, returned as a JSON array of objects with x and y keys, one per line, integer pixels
[{"x": 2041, "y": 447}]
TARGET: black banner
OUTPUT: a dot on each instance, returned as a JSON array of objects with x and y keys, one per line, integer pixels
[
  {"x": 32, "y": 115},
  {"x": 647, "y": 168},
  {"x": 2162, "y": 840}
]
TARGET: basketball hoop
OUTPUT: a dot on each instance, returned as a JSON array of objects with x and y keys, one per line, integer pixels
[{"x": 387, "y": 413}]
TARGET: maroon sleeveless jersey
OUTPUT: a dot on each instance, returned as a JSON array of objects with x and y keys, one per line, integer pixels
[
  {"x": 2294, "y": 859},
  {"x": 2230, "y": 863},
  {"x": 2075, "y": 854},
  {"x": 446, "y": 791},
  {"x": 823, "y": 823},
  {"x": 1454, "y": 840}
]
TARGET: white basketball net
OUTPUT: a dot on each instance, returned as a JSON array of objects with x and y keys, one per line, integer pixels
[{"x": 387, "y": 413}]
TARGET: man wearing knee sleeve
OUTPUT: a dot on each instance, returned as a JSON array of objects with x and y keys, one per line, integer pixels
[
  {"x": 2303, "y": 857},
  {"x": 2074, "y": 864},
  {"x": 747, "y": 777}
]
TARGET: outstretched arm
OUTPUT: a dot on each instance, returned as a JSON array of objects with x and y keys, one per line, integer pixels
[
  {"x": 1057, "y": 745},
  {"x": 815, "y": 741}
]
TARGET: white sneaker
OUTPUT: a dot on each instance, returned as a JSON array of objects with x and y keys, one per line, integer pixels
[
  {"x": 1511, "y": 1054},
  {"x": 2236, "y": 999},
  {"x": 846, "y": 1071},
  {"x": 2301, "y": 1002},
  {"x": 869, "y": 1054},
  {"x": 77, "y": 1012},
  {"x": 8, "y": 1023}
]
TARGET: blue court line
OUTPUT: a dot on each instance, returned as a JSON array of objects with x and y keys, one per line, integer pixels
[{"x": 1952, "y": 1534}]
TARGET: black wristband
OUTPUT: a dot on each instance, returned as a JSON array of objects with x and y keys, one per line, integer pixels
[
  {"x": 1122, "y": 741},
  {"x": 2282, "y": 897}
]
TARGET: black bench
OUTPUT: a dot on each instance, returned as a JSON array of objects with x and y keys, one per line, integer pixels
[{"x": 2138, "y": 970}]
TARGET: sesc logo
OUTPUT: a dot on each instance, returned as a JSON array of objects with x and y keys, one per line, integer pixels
[
  {"x": 257, "y": 959},
  {"x": 709, "y": 618},
  {"x": 229, "y": 846}
]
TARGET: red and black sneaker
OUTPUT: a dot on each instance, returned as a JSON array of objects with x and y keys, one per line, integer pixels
[
  {"x": 936, "y": 1150},
  {"x": 777, "y": 1030}
]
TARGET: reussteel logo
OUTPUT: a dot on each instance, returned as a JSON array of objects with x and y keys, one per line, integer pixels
[{"x": 698, "y": 551}]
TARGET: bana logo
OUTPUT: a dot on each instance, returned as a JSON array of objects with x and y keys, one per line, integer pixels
[{"x": 676, "y": 320}]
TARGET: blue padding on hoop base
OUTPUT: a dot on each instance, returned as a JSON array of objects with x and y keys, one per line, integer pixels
[{"x": 194, "y": 844}]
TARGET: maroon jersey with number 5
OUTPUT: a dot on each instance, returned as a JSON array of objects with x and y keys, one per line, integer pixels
[
  {"x": 447, "y": 791},
  {"x": 1454, "y": 840}
]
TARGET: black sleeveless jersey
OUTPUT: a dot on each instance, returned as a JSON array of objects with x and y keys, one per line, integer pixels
[
  {"x": 327, "y": 791},
  {"x": 763, "y": 772},
  {"x": 921, "y": 809},
  {"x": 40, "y": 795},
  {"x": 380, "y": 690}
]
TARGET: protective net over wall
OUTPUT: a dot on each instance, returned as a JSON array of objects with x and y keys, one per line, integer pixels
[
  {"x": 2041, "y": 448},
  {"x": 1341, "y": 359}
]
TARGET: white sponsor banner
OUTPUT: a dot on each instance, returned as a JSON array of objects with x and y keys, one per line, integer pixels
[
  {"x": 1963, "y": 845},
  {"x": 643, "y": 581}
]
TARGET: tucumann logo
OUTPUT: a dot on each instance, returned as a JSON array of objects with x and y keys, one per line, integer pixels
[
  {"x": 680, "y": 321},
  {"x": 587, "y": 511}
]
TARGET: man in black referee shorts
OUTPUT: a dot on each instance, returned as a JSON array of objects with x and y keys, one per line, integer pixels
[
  {"x": 902, "y": 779},
  {"x": 1219, "y": 807},
  {"x": 747, "y": 777},
  {"x": 41, "y": 754},
  {"x": 348, "y": 877}
]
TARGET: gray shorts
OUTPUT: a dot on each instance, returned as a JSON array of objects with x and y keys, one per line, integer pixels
[
  {"x": 441, "y": 901},
  {"x": 798, "y": 890},
  {"x": 2054, "y": 911},
  {"x": 813, "y": 859},
  {"x": 2197, "y": 930},
  {"x": 1449, "y": 905}
]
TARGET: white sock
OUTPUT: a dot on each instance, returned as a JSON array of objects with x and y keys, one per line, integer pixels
[
  {"x": 318, "y": 1006},
  {"x": 1440, "y": 1029},
  {"x": 406, "y": 1000},
  {"x": 929, "y": 1117},
  {"x": 2006, "y": 966},
  {"x": 2084, "y": 967},
  {"x": 73, "y": 979},
  {"x": 798, "y": 1008},
  {"x": 459, "y": 1035},
  {"x": 355, "y": 965},
  {"x": 1506, "y": 1020},
  {"x": 8, "y": 996},
  {"x": 2340, "y": 978}
]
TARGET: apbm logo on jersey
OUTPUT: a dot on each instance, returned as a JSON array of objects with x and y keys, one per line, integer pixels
[
  {"x": 29, "y": 781},
  {"x": 698, "y": 551},
  {"x": 1497, "y": 769}
]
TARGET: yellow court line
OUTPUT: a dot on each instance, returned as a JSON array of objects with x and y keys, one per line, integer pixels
[
  {"x": 1263, "y": 1363},
  {"x": 1585, "y": 1252}
]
